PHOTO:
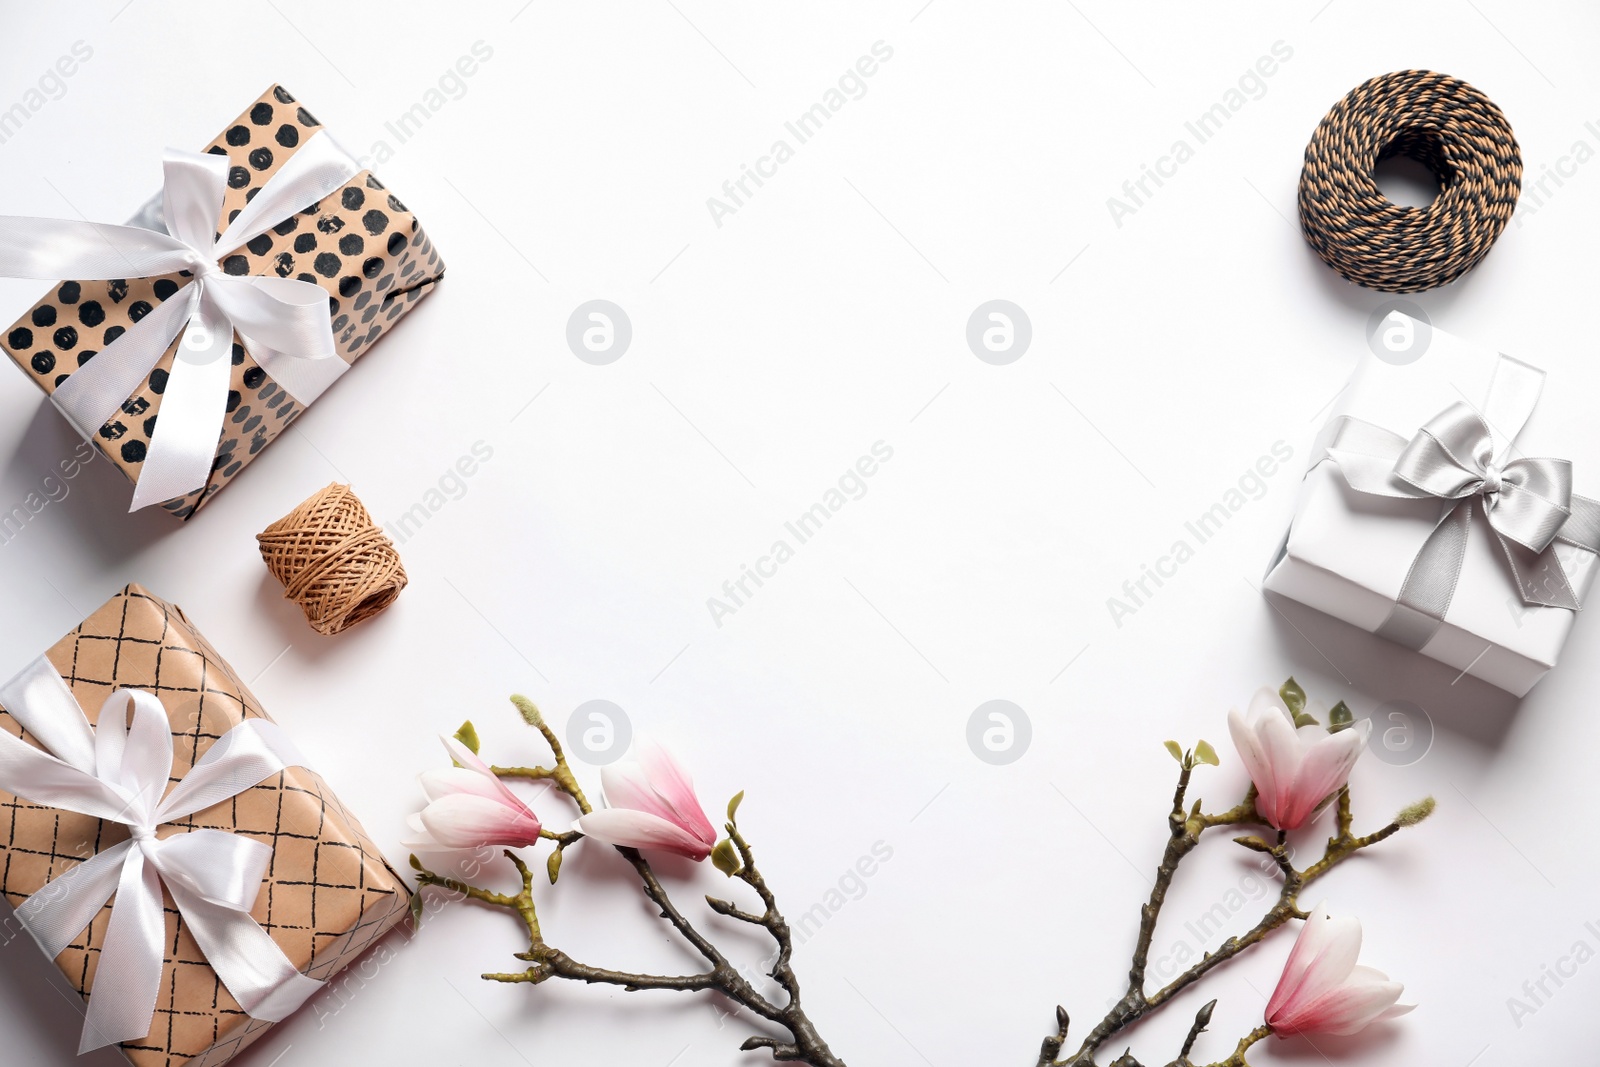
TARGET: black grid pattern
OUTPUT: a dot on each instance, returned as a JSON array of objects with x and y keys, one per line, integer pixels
[{"x": 327, "y": 895}]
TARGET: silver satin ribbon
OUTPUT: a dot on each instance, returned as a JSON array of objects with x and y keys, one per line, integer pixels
[
  {"x": 283, "y": 322},
  {"x": 1460, "y": 456},
  {"x": 118, "y": 771}
]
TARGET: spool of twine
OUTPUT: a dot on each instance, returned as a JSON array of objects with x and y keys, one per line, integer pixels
[
  {"x": 333, "y": 560},
  {"x": 1447, "y": 126}
]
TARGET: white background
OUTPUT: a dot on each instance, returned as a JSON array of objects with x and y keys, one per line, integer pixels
[{"x": 768, "y": 354}]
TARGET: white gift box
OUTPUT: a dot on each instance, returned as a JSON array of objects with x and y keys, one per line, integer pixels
[{"x": 1350, "y": 553}]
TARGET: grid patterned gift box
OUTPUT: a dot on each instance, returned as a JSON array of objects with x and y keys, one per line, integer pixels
[
  {"x": 360, "y": 243},
  {"x": 327, "y": 895}
]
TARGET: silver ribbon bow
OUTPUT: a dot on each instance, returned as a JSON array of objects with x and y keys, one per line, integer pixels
[
  {"x": 118, "y": 772},
  {"x": 284, "y": 322},
  {"x": 1529, "y": 503}
]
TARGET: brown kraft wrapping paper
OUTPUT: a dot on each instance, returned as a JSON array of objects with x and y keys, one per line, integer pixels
[
  {"x": 359, "y": 243},
  {"x": 327, "y": 895}
]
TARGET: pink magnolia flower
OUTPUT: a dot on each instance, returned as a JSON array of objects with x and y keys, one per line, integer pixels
[
  {"x": 469, "y": 807},
  {"x": 650, "y": 804},
  {"x": 1295, "y": 771},
  {"x": 1323, "y": 990}
]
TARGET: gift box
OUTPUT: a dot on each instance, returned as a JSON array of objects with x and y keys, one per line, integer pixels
[
  {"x": 1434, "y": 515},
  {"x": 326, "y": 893},
  {"x": 358, "y": 243}
]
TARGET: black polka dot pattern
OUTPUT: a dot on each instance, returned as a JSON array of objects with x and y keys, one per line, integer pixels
[{"x": 360, "y": 244}]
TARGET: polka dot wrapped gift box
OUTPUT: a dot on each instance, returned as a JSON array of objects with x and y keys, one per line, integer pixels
[{"x": 359, "y": 243}]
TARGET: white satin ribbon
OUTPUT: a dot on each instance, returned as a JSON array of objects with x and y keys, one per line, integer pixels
[
  {"x": 1467, "y": 459},
  {"x": 118, "y": 771},
  {"x": 284, "y": 322}
]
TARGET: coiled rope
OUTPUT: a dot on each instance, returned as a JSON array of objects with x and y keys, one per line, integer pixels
[{"x": 1447, "y": 126}]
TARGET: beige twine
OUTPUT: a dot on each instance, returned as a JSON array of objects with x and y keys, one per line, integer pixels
[{"x": 333, "y": 560}]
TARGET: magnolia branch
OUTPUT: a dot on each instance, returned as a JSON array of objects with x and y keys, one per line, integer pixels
[
  {"x": 1186, "y": 825},
  {"x": 802, "y": 1045}
]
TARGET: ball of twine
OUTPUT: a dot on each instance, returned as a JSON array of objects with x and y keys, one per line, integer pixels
[
  {"x": 333, "y": 560},
  {"x": 1447, "y": 126}
]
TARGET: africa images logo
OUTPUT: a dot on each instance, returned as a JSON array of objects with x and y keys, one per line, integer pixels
[
  {"x": 1251, "y": 85},
  {"x": 851, "y": 485},
  {"x": 1251, "y": 485},
  {"x": 851, "y": 85}
]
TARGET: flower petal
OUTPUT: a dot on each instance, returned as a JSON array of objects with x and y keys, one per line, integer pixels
[
  {"x": 1323, "y": 990},
  {"x": 1283, "y": 751},
  {"x": 1347, "y": 1008},
  {"x": 1324, "y": 955},
  {"x": 1324, "y": 771},
  {"x": 1265, "y": 703},
  {"x": 638, "y": 829},
  {"x": 419, "y": 839},
  {"x": 671, "y": 782},
  {"x": 465, "y": 756},
  {"x": 470, "y": 761},
  {"x": 464, "y": 820},
  {"x": 1362, "y": 973},
  {"x": 626, "y": 785},
  {"x": 446, "y": 781},
  {"x": 1254, "y": 757}
]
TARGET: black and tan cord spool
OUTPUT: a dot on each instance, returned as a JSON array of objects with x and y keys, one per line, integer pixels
[
  {"x": 1447, "y": 126},
  {"x": 333, "y": 560}
]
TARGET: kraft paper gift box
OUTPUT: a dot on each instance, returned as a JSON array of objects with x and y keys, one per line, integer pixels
[
  {"x": 359, "y": 243},
  {"x": 327, "y": 894},
  {"x": 1350, "y": 553}
]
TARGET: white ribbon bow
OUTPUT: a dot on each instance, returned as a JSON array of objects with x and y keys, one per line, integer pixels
[
  {"x": 1467, "y": 458},
  {"x": 118, "y": 772},
  {"x": 284, "y": 322}
]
